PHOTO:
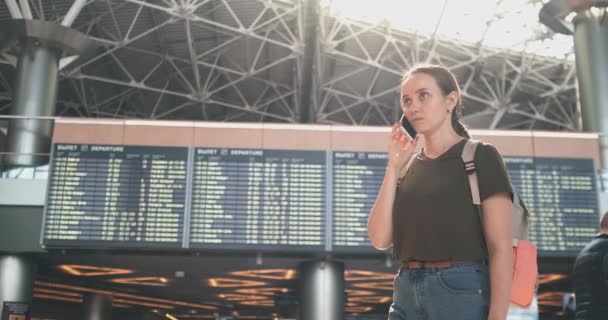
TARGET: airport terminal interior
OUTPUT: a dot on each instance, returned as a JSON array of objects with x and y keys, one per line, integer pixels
[{"x": 218, "y": 159}]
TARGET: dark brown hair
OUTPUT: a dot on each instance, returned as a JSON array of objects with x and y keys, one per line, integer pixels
[
  {"x": 604, "y": 222},
  {"x": 447, "y": 83}
]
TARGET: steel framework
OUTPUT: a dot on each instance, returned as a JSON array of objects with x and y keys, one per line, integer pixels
[{"x": 246, "y": 60}]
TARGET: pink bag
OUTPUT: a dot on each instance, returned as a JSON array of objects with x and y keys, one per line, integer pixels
[{"x": 525, "y": 273}]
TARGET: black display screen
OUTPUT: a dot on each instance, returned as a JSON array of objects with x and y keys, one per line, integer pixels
[
  {"x": 268, "y": 199},
  {"x": 562, "y": 196},
  {"x": 116, "y": 196},
  {"x": 257, "y": 199},
  {"x": 356, "y": 177}
]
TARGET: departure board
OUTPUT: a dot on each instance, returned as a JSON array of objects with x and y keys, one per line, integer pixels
[
  {"x": 561, "y": 195},
  {"x": 356, "y": 177},
  {"x": 256, "y": 199},
  {"x": 263, "y": 199},
  {"x": 116, "y": 196}
]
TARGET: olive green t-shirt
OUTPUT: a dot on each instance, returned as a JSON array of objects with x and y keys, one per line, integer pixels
[{"x": 433, "y": 214}]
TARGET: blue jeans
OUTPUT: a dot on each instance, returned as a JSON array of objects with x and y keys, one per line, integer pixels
[{"x": 461, "y": 291}]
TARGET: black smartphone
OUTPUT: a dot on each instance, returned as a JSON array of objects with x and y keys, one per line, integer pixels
[{"x": 407, "y": 128}]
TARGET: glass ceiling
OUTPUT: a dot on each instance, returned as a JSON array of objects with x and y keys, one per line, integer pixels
[{"x": 502, "y": 24}]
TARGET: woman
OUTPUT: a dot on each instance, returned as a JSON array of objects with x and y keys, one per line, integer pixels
[{"x": 454, "y": 266}]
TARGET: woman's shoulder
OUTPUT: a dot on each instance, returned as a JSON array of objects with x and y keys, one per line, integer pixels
[
  {"x": 486, "y": 150},
  {"x": 488, "y": 158}
]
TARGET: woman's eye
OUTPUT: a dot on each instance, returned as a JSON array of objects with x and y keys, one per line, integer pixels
[
  {"x": 424, "y": 95},
  {"x": 407, "y": 102}
]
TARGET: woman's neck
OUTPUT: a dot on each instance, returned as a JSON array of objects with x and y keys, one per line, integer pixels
[{"x": 435, "y": 144}]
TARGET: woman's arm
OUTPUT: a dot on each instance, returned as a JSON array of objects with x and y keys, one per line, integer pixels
[
  {"x": 380, "y": 221},
  {"x": 497, "y": 226}
]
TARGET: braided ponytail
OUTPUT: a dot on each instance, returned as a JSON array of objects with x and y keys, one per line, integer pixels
[{"x": 456, "y": 124}]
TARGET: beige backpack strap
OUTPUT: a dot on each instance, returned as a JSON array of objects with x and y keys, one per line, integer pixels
[
  {"x": 409, "y": 162},
  {"x": 468, "y": 157},
  {"x": 407, "y": 168}
]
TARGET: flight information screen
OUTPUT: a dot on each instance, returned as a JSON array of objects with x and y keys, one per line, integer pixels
[
  {"x": 561, "y": 195},
  {"x": 253, "y": 198},
  {"x": 356, "y": 177},
  {"x": 116, "y": 196},
  {"x": 217, "y": 198}
]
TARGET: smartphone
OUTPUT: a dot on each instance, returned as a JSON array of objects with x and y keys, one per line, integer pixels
[{"x": 407, "y": 128}]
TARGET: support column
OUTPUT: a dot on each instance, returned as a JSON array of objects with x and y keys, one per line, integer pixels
[
  {"x": 97, "y": 307},
  {"x": 40, "y": 46},
  {"x": 311, "y": 19},
  {"x": 590, "y": 30},
  {"x": 591, "y": 51},
  {"x": 16, "y": 284},
  {"x": 34, "y": 96},
  {"x": 321, "y": 290}
]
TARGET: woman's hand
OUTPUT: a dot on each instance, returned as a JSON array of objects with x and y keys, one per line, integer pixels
[{"x": 400, "y": 149}]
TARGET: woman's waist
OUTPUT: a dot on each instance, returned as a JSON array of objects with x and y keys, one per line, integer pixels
[{"x": 441, "y": 264}]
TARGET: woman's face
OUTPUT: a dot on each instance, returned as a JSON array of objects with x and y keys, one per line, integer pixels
[{"x": 424, "y": 104}]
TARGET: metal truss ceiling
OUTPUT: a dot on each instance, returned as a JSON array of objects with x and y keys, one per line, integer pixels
[{"x": 243, "y": 60}]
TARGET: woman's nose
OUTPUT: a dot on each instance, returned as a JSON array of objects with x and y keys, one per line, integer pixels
[{"x": 414, "y": 106}]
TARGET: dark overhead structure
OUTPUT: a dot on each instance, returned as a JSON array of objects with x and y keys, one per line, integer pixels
[
  {"x": 293, "y": 61},
  {"x": 590, "y": 30}
]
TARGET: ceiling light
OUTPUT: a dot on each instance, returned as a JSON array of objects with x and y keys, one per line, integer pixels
[
  {"x": 360, "y": 275},
  {"x": 91, "y": 271},
  {"x": 378, "y": 285},
  {"x": 231, "y": 283},
  {"x": 127, "y": 296},
  {"x": 358, "y": 309},
  {"x": 352, "y": 293},
  {"x": 55, "y": 297},
  {"x": 274, "y": 274},
  {"x": 554, "y": 299},
  {"x": 369, "y": 299},
  {"x": 143, "y": 281},
  {"x": 169, "y": 316},
  {"x": 548, "y": 278},
  {"x": 260, "y": 303},
  {"x": 57, "y": 292},
  {"x": 262, "y": 291},
  {"x": 240, "y": 297}
]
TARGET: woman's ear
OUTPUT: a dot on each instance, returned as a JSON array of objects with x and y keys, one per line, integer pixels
[{"x": 452, "y": 100}]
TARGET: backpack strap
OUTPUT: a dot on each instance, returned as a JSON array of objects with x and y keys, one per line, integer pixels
[
  {"x": 409, "y": 162},
  {"x": 407, "y": 167},
  {"x": 468, "y": 157},
  {"x": 520, "y": 223},
  {"x": 521, "y": 219}
]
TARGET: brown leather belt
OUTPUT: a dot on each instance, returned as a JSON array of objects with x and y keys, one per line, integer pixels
[{"x": 430, "y": 264}]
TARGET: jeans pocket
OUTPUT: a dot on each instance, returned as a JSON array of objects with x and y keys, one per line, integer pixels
[{"x": 464, "y": 281}]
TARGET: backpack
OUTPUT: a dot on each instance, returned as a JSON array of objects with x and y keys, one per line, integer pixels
[{"x": 525, "y": 268}]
